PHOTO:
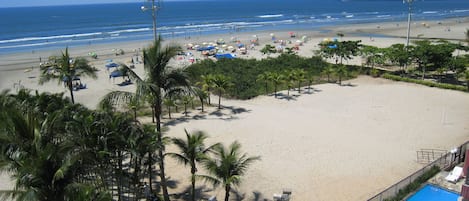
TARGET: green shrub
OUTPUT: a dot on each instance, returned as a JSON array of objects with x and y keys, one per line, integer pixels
[
  {"x": 243, "y": 73},
  {"x": 402, "y": 193},
  {"x": 424, "y": 82}
]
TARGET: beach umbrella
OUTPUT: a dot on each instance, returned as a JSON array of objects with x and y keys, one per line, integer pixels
[
  {"x": 224, "y": 46},
  {"x": 230, "y": 47},
  {"x": 204, "y": 43},
  {"x": 272, "y": 34}
]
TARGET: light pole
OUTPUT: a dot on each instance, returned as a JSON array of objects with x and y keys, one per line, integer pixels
[
  {"x": 409, "y": 18},
  {"x": 154, "y": 8}
]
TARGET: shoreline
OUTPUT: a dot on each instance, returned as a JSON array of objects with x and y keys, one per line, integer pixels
[{"x": 393, "y": 29}]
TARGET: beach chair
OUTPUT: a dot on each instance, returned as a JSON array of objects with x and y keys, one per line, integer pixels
[{"x": 454, "y": 175}]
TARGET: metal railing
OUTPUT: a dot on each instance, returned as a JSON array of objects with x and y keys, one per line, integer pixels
[{"x": 444, "y": 162}]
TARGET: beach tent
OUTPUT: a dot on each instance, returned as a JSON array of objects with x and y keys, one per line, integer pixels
[
  {"x": 225, "y": 56},
  {"x": 116, "y": 73},
  {"x": 205, "y": 48},
  {"x": 111, "y": 65}
]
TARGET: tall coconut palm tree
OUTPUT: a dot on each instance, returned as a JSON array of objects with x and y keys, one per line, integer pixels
[
  {"x": 191, "y": 151},
  {"x": 65, "y": 69},
  {"x": 227, "y": 167},
  {"x": 220, "y": 83},
  {"x": 160, "y": 81}
]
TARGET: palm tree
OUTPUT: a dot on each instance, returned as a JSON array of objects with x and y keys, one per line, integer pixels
[
  {"x": 264, "y": 77},
  {"x": 328, "y": 71},
  {"x": 276, "y": 79},
  {"x": 341, "y": 72},
  {"x": 192, "y": 150},
  {"x": 65, "y": 69},
  {"x": 160, "y": 81},
  {"x": 169, "y": 102},
  {"x": 202, "y": 95},
  {"x": 220, "y": 83},
  {"x": 186, "y": 100},
  {"x": 227, "y": 166},
  {"x": 207, "y": 84},
  {"x": 38, "y": 150},
  {"x": 299, "y": 76}
]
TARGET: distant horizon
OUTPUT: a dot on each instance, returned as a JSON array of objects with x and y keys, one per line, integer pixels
[{"x": 44, "y": 3}]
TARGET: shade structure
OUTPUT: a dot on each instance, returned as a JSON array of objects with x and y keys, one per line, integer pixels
[
  {"x": 205, "y": 48},
  {"x": 111, "y": 65},
  {"x": 116, "y": 73},
  {"x": 225, "y": 56}
]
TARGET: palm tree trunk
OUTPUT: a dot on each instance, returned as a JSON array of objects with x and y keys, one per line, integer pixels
[
  {"x": 266, "y": 88},
  {"x": 202, "y": 103},
  {"x": 185, "y": 110},
  {"x": 70, "y": 88},
  {"x": 219, "y": 99},
  {"x": 161, "y": 148},
  {"x": 169, "y": 111},
  {"x": 150, "y": 171},
  {"x": 208, "y": 92},
  {"x": 423, "y": 72},
  {"x": 299, "y": 87},
  {"x": 193, "y": 183},
  {"x": 227, "y": 192},
  {"x": 275, "y": 91}
]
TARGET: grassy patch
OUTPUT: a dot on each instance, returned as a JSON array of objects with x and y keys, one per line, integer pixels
[{"x": 424, "y": 82}]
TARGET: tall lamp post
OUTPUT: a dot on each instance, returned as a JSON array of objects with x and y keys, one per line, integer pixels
[
  {"x": 154, "y": 8},
  {"x": 409, "y": 18}
]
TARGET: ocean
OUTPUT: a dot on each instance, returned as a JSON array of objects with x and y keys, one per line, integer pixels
[{"x": 50, "y": 27}]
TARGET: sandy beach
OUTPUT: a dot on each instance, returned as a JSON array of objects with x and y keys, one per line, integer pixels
[{"x": 336, "y": 143}]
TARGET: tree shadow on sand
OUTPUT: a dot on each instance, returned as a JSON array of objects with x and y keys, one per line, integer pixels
[
  {"x": 238, "y": 196},
  {"x": 348, "y": 85},
  {"x": 201, "y": 192},
  {"x": 283, "y": 96}
]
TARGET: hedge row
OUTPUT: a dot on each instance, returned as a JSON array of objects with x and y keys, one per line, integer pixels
[
  {"x": 424, "y": 82},
  {"x": 415, "y": 184}
]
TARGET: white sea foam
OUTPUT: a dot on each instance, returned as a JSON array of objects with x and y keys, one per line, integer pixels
[
  {"x": 130, "y": 30},
  {"x": 270, "y": 16},
  {"x": 49, "y": 37}
]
